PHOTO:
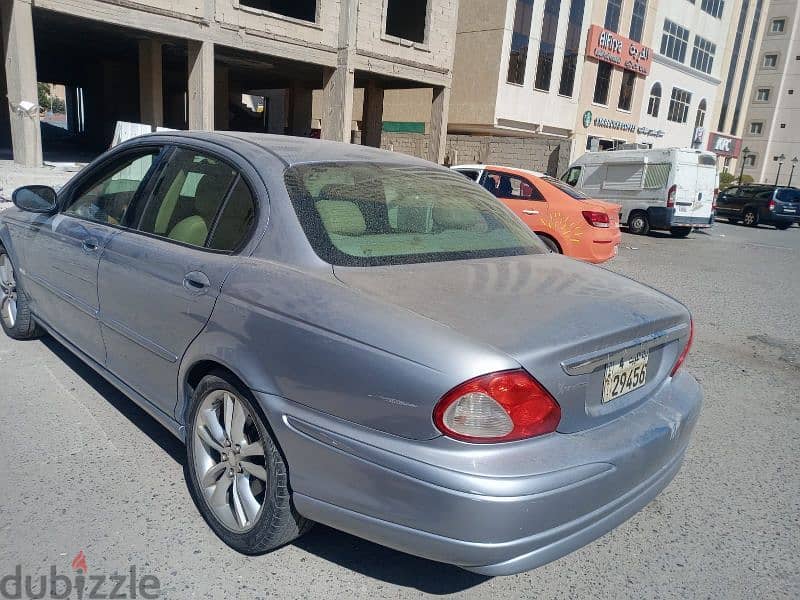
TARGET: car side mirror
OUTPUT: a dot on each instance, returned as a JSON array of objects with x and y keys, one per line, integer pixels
[{"x": 35, "y": 199}]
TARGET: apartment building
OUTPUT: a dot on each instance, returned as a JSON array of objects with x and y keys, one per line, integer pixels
[
  {"x": 690, "y": 38},
  {"x": 189, "y": 63},
  {"x": 772, "y": 123}
]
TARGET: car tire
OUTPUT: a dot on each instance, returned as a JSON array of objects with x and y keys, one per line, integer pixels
[
  {"x": 550, "y": 243},
  {"x": 750, "y": 217},
  {"x": 783, "y": 226},
  {"x": 638, "y": 223},
  {"x": 15, "y": 314},
  {"x": 680, "y": 232},
  {"x": 252, "y": 511}
]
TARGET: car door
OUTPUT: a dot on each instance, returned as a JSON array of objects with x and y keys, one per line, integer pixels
[
  {"x": 160, "y": 278},
  {"x": 66, "y": 250},
  {"x": 521, "y": 196},
  {"x": 725, "y": 200}
]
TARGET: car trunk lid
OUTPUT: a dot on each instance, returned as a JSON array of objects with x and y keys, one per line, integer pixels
[{"x": 561, "y": 320}]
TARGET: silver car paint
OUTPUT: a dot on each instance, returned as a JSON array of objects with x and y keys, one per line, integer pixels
[{"x": 348, "y": 364}]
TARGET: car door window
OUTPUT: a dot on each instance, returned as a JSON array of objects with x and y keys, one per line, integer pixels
[
  {"x": 505, "y": 185},
  {"x": 107, "y": 200},
  {"x": 187, "y": 200},
  {"x": 235, "y": 220},
  {"x": 572, "y": 176}
]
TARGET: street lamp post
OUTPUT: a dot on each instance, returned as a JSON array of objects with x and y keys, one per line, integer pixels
[
  {"x": 745, "y": 152},
  {"x": 794, "y": 164},
  {"x": 781, "y": 158}
]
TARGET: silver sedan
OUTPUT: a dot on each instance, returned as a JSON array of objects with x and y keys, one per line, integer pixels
[{"x": 353, "y": 337}]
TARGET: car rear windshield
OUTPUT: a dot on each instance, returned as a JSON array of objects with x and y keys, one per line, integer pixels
[
  {"x": 369, "y": 214},
  {"x": 565, "y": 187}
]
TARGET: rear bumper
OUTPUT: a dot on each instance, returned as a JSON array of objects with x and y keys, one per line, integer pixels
[
  {"x": 665, "y": 218},
  {"x": 493, "y": 509}
]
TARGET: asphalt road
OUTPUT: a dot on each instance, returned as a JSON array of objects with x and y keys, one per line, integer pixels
[{"x": 83, "y": 469}]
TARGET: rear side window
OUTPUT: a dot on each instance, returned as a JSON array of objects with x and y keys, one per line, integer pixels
[
  {"x": 199, "y": 201},
  {"x": 470, "y": 174},
  {"x": 788, "y": 195},
  {"x": 369, "y": 214}
]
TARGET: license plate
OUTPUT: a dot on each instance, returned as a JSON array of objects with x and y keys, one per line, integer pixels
[{"x": 625, "y": 375}]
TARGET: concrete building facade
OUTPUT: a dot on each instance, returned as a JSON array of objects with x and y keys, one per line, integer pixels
[
  {"x": 772, "y": 123},
  {"x": 187, "y": 63}
]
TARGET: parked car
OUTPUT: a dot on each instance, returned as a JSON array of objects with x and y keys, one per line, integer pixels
[
  {"x": 672, "y": 189},
  {"x": 355, "y": 337},
  {"x": 566, "y": 220},
  {"x": 760, "y": 204}
]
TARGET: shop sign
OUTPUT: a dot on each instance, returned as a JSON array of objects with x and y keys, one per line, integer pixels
[
  {"x": 621, "y": 125},
  {"x": 724, "y": 145},
  {"x": 620, "y": 51}
]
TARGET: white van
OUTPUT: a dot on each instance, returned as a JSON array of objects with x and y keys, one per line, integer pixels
[{"x": 668, "y": 188}]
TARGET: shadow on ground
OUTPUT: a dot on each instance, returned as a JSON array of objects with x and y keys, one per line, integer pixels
[{"x": 350, "y": 552}]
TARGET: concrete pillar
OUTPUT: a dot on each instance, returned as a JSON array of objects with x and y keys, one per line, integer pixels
[
  {"x": 337, "y": 99},
  {"x": 221, "y": 98},
  {"x": 439, "y": 111},
  {"x": 201, "y": 85},
  {"x": 151, "y": 83},
  {"x": 373, "y": 115},
  {"x": 300, "y": 110},
  {"x": 20, "y": 62}
]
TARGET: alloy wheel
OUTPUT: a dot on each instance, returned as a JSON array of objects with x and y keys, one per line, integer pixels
[
  {"x": 749, "y": 218},
  {"x": 229, "y": 460},
  {"x": 8, "y": 292}
]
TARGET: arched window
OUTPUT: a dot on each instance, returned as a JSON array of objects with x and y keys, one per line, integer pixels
[
  {"x": 701, "y": 114},
  {"x": 655, "y": 100}
]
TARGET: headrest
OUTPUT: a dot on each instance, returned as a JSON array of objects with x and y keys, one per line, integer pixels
[
  {"x": 464, "y": 218},
  {"x": 341, "y": 217},
  {"x": 338, "y": 191}
]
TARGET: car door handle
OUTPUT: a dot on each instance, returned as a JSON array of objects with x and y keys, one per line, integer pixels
[
  {"x": 89, "y": 245},
  {"x": 196, "y": 281},
  {"x": 530, "y": 212}
]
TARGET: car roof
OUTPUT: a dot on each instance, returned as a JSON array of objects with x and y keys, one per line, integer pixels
[
  {"x": 293, "y": 150},
  {"x": 501, "y": 168}
]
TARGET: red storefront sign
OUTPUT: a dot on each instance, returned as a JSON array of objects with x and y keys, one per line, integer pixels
[
  {"x": 620, "y": 51},
  {"x": 724, "y": 145}
]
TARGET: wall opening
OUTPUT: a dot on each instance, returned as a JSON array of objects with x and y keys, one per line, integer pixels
[
  {"x": 407, "y": 19},
  {"x": 305, "y": 10}
]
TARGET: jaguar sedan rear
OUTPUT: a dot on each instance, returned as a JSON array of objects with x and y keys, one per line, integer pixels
[{"x": 358, "y": 338}]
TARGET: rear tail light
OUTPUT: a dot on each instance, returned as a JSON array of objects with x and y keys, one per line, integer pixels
[
  {"x": 673, "y": 191},
  {"x": 685, "y": 351},
  {"x": 596, "y": 219},
  {"x": 714, "y": 201},
  {"x": 771, "y": 204},
  {"x": 499, "y": 407}
]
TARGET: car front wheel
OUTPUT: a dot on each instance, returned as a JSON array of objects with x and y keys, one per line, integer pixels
[
  {"x": 236, "y": 475},
  {"x": 15, "y": 314}
]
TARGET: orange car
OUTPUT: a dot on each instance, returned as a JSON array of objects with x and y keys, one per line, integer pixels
[{"x": 566, "y": 220}]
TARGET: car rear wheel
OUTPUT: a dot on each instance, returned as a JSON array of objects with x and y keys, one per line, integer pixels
[
  {"x": 550, "y": 243},
  {"x": 15, "y": 314},
  {"x": 680, "y": 232},
  {"x": 638, "y": 223},
  {"x": 750, "y": 217},
  {"x": 236, "y": 474}
]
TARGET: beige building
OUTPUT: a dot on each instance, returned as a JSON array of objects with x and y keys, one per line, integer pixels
[
  {"x": 617, "y": 67},
  {"x": 772, "y": 123},
  {"x": 189, "y": 63}
]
